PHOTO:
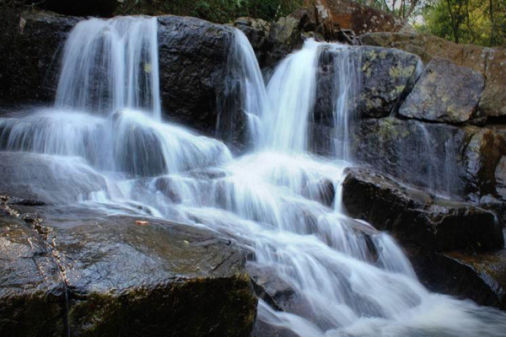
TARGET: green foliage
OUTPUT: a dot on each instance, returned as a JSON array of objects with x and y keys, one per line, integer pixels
[{"x": 467, "y": 21}]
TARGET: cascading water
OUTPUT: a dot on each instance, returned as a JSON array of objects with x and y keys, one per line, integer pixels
[
  {"x": 279, "y": 201},
  {"x": 110, "y": 65}
]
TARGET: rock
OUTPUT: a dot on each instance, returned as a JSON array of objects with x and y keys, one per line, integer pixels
[
  {"x": 461, "y": 162},
  {"x": 382, "y": 78},
  {"x": 444, "y": 93},
  {"x": 48, "y": 179},
  {"x": 488, "y": 61},
  {"x": 193, "y": 67},
  {"x": 426, "y": 155},
  {"x": 482, "y": 156},
  {"x": 32, "y": 291},
  {"x": 258, "y": 33},
  {"x": 416, "y": 218},
  {"x": 269, "y": 287},
  {"x": 479, "y": 277},
  {"x": 345, "y": 14},
  {"x": 163, "y": 279},
  {"x": 30, "y": 47},
  {"x": 493, "y": 98},
  {"x": 500, "y": 176},
  {"x": 272, "y": 41}
]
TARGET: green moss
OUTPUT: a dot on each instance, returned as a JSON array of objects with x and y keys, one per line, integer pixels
[
  {"x": 399, "y": 71},
  {"x": 197, "y": 307}
]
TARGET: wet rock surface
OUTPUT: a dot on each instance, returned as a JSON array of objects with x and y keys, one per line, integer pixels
[
  {"x": 33, "y": 176},
  {"x": 30, "y": 46},
  {"x": 444, "y": 92},
  {"x": 455, "y": 248},
  {"x": 422, "y": 154},
  {"x": 193, "y": 57},
  {"x": 462, "y": 162},
  {"x": 416, "y": 218},
  {"x": 272, "y": 41},
  {"x": 385, "y": 76},
  {"x": 479, "y": 277},
  {"x": 93, "y": 274}
]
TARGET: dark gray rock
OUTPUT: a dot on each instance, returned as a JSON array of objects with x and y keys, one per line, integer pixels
[
  {"x": 30, "y": 48},
  {"x": 272, "y": 41},
  {"x": 416, "y": 218},
  {"x": 479, "y": 277},
  {"x": 91, "y": 274},
  {"x": 422, "y": 154},
  {"x": 196, "y": 87},
  {"x": 444, "y": 93},
  {"x": 387, "y": 76},
  {"x": 462, "y": 162},
  {"x": 32, "y": 291},
  {"x": 381, "y": 78}
]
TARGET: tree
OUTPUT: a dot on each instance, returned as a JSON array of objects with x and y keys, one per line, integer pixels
[{"x": 467, "y": 21}]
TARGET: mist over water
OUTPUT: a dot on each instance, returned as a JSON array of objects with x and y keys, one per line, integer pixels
[{"x": 279, "y": 201}]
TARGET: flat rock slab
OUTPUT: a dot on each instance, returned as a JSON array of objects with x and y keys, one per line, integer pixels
[
  {"x": 445, "y": 93},
  {"x": 119, "y": 275},
  {"x": 415, "y": 217}
]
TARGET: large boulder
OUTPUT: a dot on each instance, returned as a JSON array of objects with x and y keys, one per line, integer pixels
[
  {"x": 30, "y": 48},
  {"x": 462, "y": 162},
  {"x": 90, "y": 274},
  {"x": 444, "y": 92},
  {"x": 422, "y": 154},
  {"x": 479, "y": 277},
  {"x": 381, "y": 77},
  {"x": 488, "y": 61},
  {"x": 196, "y": 86},
  {"x": 415, "y": 217}
]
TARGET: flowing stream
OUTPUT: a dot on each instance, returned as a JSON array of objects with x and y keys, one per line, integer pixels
[{"x": 277, "y": 200}]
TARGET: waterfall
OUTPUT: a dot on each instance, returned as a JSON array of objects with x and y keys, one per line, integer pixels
[
  {"x": 278, "y": 200},
  {"x": 291, "y": 91},
  {"x": 109, "y": 65}
]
